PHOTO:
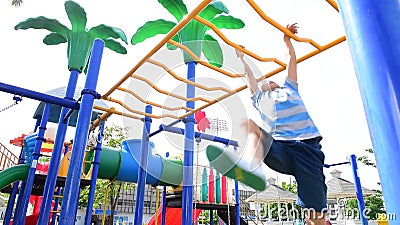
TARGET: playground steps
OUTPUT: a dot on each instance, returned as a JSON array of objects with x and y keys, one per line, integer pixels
[{"x": 39, "y": 182}]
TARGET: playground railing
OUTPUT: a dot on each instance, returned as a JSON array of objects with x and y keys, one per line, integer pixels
[
  {"x": 7, "y": 158},
  {"x": 248, "y": 213}
]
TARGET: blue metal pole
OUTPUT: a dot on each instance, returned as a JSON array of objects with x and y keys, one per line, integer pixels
[
  {"x": 95, "y": 172},
  {"x": 237, "y": 200},
  {"x": 375, "y": 47},
  {"x": 142, "y": 173},
  {"x": 35, "y": 157},
  {"x": 187, "y": 192},
  {"x": 18, "y": 207},
  {"x": 39, "y": 96},
  {"x": 51, "y": 179},
  {"x": 359, "y": 193},
  {"x": 57, "y": 200},
  {"x": 13, "y": 195},
  {"x": 211, "y": 217},
  {"x": 72, "y": 183},
  {"x": 164, "y": 201}
]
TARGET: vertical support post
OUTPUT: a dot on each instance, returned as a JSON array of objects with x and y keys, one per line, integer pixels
[
  {"x": 19, "y": 200},
  {"x": 13, "y": 195},
  {"x": 237, "y": 200},
  {"x": 164, "y": 200},
  {"x": 57, "y": 200},
  {"x": 211, "y": 217},
  {"x": 71, "y": 196},
  {"x": 374, "y": 46},
  {"x": 51, "y": 179},
  {"x": 142, "y": 173},
  {"x": 95, "y": 172},
  {"x": 32, "y": 169},
  {"x": 188, "y": 155},
  {"x": 359, "y": 193}
]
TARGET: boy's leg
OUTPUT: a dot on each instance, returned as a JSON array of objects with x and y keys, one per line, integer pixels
[
  {"x": 310, "y": 179},
  {"x": 246, "y": 167},
  {"x": 259, "y": 142}
]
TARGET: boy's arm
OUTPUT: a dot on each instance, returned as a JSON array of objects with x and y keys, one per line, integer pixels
[
  {"x": 249, "y": 73},
  {"x": 292, "y": 64}
]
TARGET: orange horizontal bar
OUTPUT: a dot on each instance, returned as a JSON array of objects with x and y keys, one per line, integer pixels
[
  {"x": 103, "y": 117},
  {"x": 170, "y": 34},
  {"x": 228, "y": 42},
  {"x": 139, "y": 112},
  {"x": 117, "y": 112},
  {"x": 280, "y": 27},
  {"x": 168, "y": 93},
  {"x": 186, "y": 80},
  {"x": 152, "y": 103},
  {"x": 206, "y": 64}
]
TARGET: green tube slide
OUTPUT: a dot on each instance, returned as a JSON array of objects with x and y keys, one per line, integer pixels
[
  {"x": 122, "y": 165},
  {"x": 12, "y": 174}
]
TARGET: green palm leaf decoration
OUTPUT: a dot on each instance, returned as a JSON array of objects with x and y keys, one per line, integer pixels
[
  {"x": 79, "y": 38},
  {"x": 193, "y": 35}
]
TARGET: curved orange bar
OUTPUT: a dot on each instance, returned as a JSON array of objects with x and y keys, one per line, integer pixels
[
  {"x": 228, "y": 42},
  {"x": 117, "y": 112},
  {"x": 280, "y": 27},
  {"x": 185, "y": 80},
  {"x": 168, "y": 93},
  {"x": 152, "y": 103}
]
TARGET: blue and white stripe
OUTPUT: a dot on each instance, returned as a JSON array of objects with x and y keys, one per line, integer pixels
[{"x": 283, "y": 113}]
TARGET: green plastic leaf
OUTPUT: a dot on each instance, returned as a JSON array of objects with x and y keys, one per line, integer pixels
[
  {"x": 192, "y": 36},
  {"x": 54, "y": 39},
  {"x": 212, "y": 10},
  {"x": 176, "y": 7},
  {"x": 151, "y": 29},
  {"x": 115, "y": 46},
  {"x": 212, "y": 51},
  {"x": 42, "y": 22},
  {"x": 173, "y": 47},
  {"x": 76, "y": 14},
  {"x": 227, "y": 22},
  {"x": 104, "y": 32}
]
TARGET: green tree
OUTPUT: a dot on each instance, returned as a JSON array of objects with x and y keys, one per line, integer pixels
[
  {"x": 193, "y": 35},
  {"x": 79, "y": 38},
  {"x": 292, "y": 186}
]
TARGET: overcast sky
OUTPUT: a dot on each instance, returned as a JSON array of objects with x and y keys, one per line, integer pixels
[{"x": 327, "y": 81}]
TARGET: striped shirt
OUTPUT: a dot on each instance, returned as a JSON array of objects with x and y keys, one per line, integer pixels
[{"x": 283, "y": 113}]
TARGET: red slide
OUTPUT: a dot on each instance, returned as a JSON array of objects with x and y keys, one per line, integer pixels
[{"x": 172, "y": 216}]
